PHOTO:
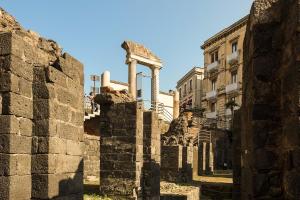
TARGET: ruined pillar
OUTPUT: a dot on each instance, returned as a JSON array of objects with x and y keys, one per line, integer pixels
[
  {"x": 270, "y": 109},
  {"x": 200, "y": 158},
  {"x": 121, "y": 144},
  {"x": 151, "y": 166},
  {"x": 155, "y": 86},
  {"x": 176, "y": 105},
  {"x": 41, "y": 134},
  {"x": 105, "y": 79},
  {"x": 204, "y": 157},
  {"x": 16, "y": 120},
  {"x": 132, "y": 77},
  {"x": 211, "y": 157}
]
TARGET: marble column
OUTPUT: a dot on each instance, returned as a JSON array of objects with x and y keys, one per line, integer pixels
[
  {"x": 155, "y": 86},
  {"x": 176, "y": 105},
  {"x": 105, "y": 79},
  {"x": 132, "y": 77},
  {"x": 211, "y": 157},
  {"x": 204, "y": 157}
]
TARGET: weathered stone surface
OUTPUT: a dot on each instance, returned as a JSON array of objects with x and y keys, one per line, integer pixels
[
  {"x": 270, "y": 110},
  {"x": 41, "y": 132}
]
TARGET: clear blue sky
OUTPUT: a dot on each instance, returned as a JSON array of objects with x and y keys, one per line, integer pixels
[{"x": 93, "y": 30}]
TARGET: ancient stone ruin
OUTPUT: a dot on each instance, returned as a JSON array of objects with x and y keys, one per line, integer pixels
[
  {"x": 270, "y": 123},
  {"x": 130, "y": 148},
  {"x": 41, "y": 114},
  {"x": 44, "y": 153}
]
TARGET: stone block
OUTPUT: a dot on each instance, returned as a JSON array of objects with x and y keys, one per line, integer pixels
[
  {"x": 54, "y": 185},
  {"x": 74, "y": 147},
  {"x": 20, "y": 164},
  {"x": 46, "y": 127},
  {"x": 4, "y": 186},
  {"x": 9, "y": 82},
  {"x": 9, "y": 124},
  {"x": 26, "y": 126},
  {"x": 15, "y": 144},
  {"x": 44, "y": 90},
  {"x": 69, "y": 132},
  {"x": 20, "y": 187},
  {"x": 55, "y": 76},
  {"x": 20, "y": 144},
  {"x": 71, "y": 67},
  {"x": 4, "y": 166},
  {"x": 6, "y": 43},
  {"x": 15, "y": 104},
  {"x": 19, "y": 67},
  {"x": 25, "y": 88}
]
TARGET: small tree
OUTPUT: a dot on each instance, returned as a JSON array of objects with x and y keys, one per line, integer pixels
[{"x": 231, "y": 105}]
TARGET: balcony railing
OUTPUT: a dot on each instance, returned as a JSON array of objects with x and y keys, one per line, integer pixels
[
  {"x": 228, "y": 111},
  {"x": 211, "y": 115},
  {"x": 234, "y": 87},
  {"x": 233, "y": 58},
  {"x": 213, "y": 66},
  {"x": 211, "y": 94}
]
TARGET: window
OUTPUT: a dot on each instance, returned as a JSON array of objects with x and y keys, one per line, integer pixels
[
  {"x": 234, "y": 47},
  {"x": 213, "y": 107},
  {"x": 184, "y": 92},
  {"x": 214, "y": 56},
  {"x": 234, "y": 77},
  {"x": 180, "y": 95},
  {"x": 191, "y": 85},
  {"x": 213, "y": 85}
]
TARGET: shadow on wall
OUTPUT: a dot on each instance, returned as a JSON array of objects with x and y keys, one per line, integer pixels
[
  {"x": 51, "y": 179},
  {"x": 150, "y": 180}
]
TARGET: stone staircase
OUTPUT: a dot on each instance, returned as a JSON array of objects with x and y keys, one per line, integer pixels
[{"x": 92, "y": 115}]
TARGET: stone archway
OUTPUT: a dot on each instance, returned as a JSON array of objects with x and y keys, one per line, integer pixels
[{"x": 138, "y": 54}]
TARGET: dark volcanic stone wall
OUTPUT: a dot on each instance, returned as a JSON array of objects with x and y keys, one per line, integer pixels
[
  {"x": 177, "y": 163},
  {"x": 270, "y": 111},
  {"x": 121, "y": 144},
  {"x": 41, "y": 117},
  {"x": 91, "y": 158},
  {"x": 151, "y": 166}
]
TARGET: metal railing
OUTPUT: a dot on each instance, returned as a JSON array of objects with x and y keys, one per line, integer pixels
[
  {"x": 161, "y": 110},
  {"x": 88, "y": 106}
]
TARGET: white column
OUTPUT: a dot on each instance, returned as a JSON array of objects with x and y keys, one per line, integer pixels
[
  {"x": 204, "y": 156},
  {"x": 105, "y": 79},
  {"x": 176, "y": 105},
  {"x": 211, "y": 157},
  {"x": 132, "y": 78},
  {"x": 155, "y": 86}
]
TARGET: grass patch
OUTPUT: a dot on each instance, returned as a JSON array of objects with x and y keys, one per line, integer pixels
[{"x": 94, "y": 197}]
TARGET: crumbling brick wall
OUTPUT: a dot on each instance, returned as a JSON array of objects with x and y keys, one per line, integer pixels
[
  {"x": 270, "y": 112},
  {"x": 177, "y": 163},
  {"x": 41, "y": 117},
  {"x": 121, "y": 144},
  {"x": 91, "y": 158},
  {"x": 151, "y": 156},
  {"x": 130, "y": 148}
]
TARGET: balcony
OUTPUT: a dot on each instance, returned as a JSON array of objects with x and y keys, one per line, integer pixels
[
  {"x": 213, "y": 66},
  {"x": 211, "y": 95},
  {"x": 211, "y": 115},
  {"x": 233, "y": 58},
  {"x": 231, "y": 88}
]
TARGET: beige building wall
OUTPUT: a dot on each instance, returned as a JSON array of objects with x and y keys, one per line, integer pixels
[
  {"x": 190, "y": 88},
  {"x": 223, "y": 64}
]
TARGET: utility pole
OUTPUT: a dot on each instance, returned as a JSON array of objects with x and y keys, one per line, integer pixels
[{"x": 95, "y": 79}]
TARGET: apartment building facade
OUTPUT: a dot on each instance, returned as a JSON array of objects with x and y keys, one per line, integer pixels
[
  {"x": 223, "y": 68},
  {"x": 222, "y": 87},
  {"x": 190, "y": 88}
]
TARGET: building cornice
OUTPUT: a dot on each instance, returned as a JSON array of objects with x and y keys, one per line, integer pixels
[
  {"x": 193, "y": 71},
  {"x": 225, "y": 32}
]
